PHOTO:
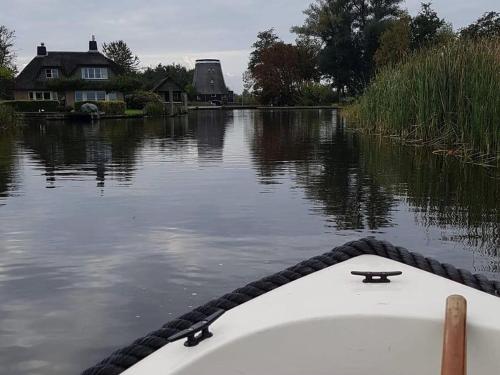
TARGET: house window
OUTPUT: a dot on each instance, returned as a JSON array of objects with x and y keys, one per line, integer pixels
[
  {"x": 51, "y": 73},
  {"x": 43, "y": 95},
  {"x": 112, "y": 96},
  {"x": 95, "y": 73},
  {"x": 82, "y": 96}
]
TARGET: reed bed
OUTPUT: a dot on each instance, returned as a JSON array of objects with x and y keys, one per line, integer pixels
[{"x": 447, "y": 97}]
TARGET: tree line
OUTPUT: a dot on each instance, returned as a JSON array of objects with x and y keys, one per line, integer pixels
[
  {"x": 342, "y": 44},
  {"x": 338, "y": 50}
]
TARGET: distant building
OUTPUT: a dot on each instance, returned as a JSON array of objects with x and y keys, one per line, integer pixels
[
  {"x": 92, "y": 66},
  {"x": 168, "y": 89},
  {"x": 209, "y": 81}
]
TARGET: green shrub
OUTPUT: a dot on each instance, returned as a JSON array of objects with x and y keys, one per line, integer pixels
[
  {"x": 7, "y": 116},
  {"x": 32, "y": 105},
  {"x": 154, "y": 109},
  {"x": 110, "y": 108},
  {"x": 445, "y": 96},
  {"x": 139, "y": 99}
]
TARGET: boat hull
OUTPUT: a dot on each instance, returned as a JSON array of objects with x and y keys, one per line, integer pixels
[{"x": 330, "y": 322}]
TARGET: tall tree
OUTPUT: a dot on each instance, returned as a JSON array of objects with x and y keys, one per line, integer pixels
[
  {"x": 277, "y": 75},
  {"x": 7, "y": 55},
  {"x": 265, "y": 39},
  {"x": 487, "y": 26},
  {"x": 349, "y": 31},
  {"x": 121, "y": 54},
  {"x": 276, "y": 70},
  {"x": 394, "y": 43},
  {"x": 425, "y": 27}
]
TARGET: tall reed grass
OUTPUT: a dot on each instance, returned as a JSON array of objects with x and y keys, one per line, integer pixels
[{"x": 446, "y": 96}]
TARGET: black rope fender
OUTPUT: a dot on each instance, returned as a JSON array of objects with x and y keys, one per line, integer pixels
[{"x": 125, "y": 358}]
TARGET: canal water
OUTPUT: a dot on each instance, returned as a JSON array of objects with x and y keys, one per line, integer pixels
[{"x": 109, "y": 230}]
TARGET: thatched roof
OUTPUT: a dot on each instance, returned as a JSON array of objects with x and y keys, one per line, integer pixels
[
  {"x": 167, "y": 84},
  {"x": 66, "y": 62},
  {"x": 208, "y": 78}
]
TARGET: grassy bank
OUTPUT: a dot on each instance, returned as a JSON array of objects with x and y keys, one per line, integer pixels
[
  {"x": 7, "y": 117},
  {"x": 446, "y": 97}
]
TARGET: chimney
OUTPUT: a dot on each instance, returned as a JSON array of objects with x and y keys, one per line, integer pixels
[
  {"x": 41, "y": 50},
  {"x": 93, "y": 45}
]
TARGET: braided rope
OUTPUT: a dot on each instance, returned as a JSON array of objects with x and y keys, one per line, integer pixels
[{"x": 125, "y": 358}]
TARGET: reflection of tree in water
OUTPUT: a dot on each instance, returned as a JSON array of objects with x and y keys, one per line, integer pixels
[
  {"x": 357, "y": 180},
  {"x": 442, "y": 191},
  {"x": 326, "y": 163},
  {"x": 8, "y": 165}
]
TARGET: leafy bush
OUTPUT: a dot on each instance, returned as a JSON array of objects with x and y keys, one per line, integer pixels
[
  {"x": 315, "y": 94},
  {"x": 139, "y": 99},
  {"x": 154, "y": 109},
  {"x": 7, "y": 116},
  {"x": 111, "y": 108},
  {"x": 32, "y": 105}
]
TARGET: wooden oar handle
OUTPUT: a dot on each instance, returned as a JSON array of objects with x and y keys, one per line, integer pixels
[{"x": 455, "y": 337}]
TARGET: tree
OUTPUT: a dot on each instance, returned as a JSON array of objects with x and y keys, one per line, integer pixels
[
  {"x": 277, "y": 70},
  {"x": 277, "y": 74},
  {"x": 487, "y": 26},
  {"x": 425, "y": 27},
  {"x": 349, "y": 31},
  {"x": 121, "y": 54},
  {"x": 6, "y": 83},
  {"x": 394, "y": 43},
  {"x": 265, "y": 39},
  {"x": 178, "y": 73},
  {"x": 7, "y": 55}
]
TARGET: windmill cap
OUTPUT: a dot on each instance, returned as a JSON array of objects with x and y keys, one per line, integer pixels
[{"x": 201, "y": 61}]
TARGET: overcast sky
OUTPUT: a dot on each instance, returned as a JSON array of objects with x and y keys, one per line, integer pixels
[{"x": 178, "y": 30}]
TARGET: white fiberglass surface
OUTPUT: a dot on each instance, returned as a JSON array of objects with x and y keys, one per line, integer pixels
[
  {"x": 345, "y": 346},
  {"x": 332, "y": 323}
]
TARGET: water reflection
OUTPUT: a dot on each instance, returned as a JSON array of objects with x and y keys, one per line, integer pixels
[
  {"x": 326, "y": 162},
  {"x": 146, "y": 218},
  {"x": 110, "y": 150},
  {"x": 8, "y": 160},
  {"x": 441, "y": 191},
  {"x": 358, "y": 180}
]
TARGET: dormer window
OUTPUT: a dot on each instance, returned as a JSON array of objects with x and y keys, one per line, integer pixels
[
  {"x": 95, "y": 73},
  {"x": 51, "y": 73}
]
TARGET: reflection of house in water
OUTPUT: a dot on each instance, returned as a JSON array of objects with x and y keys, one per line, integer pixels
[
  {"x": 8, "y": 167},
  {"x": 74, "y": 151}
]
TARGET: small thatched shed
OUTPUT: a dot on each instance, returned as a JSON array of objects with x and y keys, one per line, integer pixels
[{"x": 169, "y": 90}]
